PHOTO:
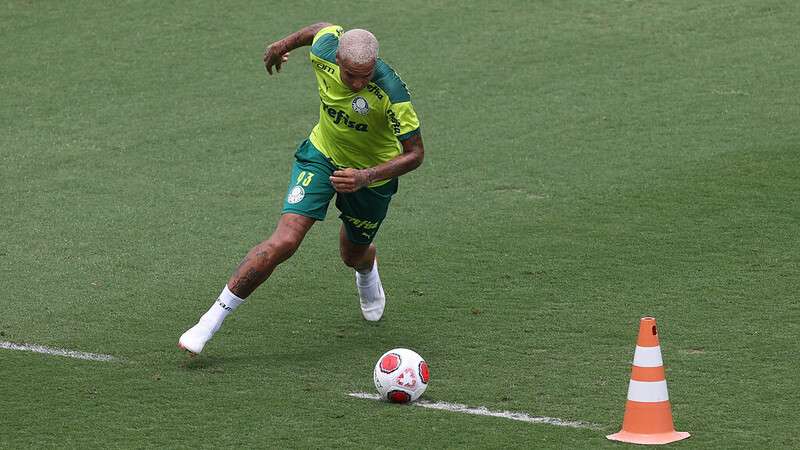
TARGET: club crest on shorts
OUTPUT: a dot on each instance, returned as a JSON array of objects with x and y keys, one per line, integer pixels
[
  {"x": 360, "y": 105},
  {"x": 295, "y": 195}
]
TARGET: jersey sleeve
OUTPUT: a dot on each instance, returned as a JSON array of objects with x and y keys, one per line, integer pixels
[
  {"x": 403, "y": 120},
  {"x": 325, "y": 43},
  {"x": 400, "y": 113}
]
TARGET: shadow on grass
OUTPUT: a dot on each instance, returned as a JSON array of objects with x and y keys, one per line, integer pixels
[{"x": 211, "y": 363}]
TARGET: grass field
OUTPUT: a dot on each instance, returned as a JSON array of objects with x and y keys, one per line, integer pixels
[{"x": 588, "y": 163}]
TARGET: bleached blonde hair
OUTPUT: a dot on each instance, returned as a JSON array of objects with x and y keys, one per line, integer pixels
[{"x": 358, "y": 46}]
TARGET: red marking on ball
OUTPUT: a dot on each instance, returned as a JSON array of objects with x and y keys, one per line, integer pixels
[
  {"x": 399, "y": 397},
  {"x": 424, "y": 372},
  {"x": 390, "y": 363},
  {"x": 406, "y": 378}
]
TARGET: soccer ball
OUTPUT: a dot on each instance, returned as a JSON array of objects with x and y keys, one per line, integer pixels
[{"x": 401, "y": 375}]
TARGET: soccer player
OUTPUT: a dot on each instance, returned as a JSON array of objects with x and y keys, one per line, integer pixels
[{"x": 367, "y": 136}]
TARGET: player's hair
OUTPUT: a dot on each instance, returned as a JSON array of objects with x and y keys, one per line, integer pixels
[{"x": 358, "y": 46}]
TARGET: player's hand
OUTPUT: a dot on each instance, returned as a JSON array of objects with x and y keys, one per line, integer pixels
[
  {"x": 349, "y": 179},
  {"x": 275, "y": 55}
]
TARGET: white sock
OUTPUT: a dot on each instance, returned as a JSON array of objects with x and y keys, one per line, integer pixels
[
  {"x": 223, "y": 305},
  {"x": 369, "y": 278}
]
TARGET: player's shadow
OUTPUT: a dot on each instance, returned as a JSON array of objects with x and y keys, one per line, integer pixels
[
  {"x": 206, "y": 363},
  {"x": 342, "y": 341},
  {"x": 212, "y": 363}
]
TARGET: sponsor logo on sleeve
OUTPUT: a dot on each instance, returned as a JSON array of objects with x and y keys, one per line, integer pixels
[{"x": 394, "y": 121}]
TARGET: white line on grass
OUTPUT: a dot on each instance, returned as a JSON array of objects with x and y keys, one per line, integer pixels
[
  {"x": 56, "y": 351},
  {"x": 482, "y": 411}
]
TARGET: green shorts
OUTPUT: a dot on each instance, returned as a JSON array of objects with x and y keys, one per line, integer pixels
[{"x": 310, "y": 192}]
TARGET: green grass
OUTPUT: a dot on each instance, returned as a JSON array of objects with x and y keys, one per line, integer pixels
[{"x": 588, "y": 163}]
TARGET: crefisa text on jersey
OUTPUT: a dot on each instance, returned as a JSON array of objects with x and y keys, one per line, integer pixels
[{"x": 340, "y": 117}]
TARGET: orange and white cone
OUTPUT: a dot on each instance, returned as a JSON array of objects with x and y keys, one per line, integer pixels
[{"x": 648, "y": 414}]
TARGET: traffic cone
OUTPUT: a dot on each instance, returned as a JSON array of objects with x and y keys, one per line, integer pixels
[{"x": 648, "y": 414}]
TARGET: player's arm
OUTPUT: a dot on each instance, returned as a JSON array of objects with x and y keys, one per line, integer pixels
[
  {"x": 351, "y": 180},
  {"x": 277, "y": 53}
]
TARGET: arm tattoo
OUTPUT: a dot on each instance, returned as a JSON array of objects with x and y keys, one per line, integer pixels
[
  {"x": 415, "y": 140},
  {"x": 303, "y": 37}
]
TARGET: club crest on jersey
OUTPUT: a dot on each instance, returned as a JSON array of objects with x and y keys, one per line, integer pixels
[
  {"x": 295, "y": 195},
  {"x": 360, "y": 105}
]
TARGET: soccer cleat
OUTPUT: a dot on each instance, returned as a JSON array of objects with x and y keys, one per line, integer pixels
[
  {"x": 373, "y": 301},
  {"x": 194, "y": 339}
]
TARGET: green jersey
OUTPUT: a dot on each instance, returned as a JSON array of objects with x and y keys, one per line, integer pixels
[{"x": 359, "y": 129}]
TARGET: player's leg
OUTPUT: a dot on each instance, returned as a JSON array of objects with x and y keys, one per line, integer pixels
[
  {"x": 361, "y": 257},
  {"x": 254, "y": 269},
  {"x": 362, "y": 214},
  {"x": 358, "y": 256},
  {"x": 262, "y": 259},
  {"x": 306, "y": 201}
]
